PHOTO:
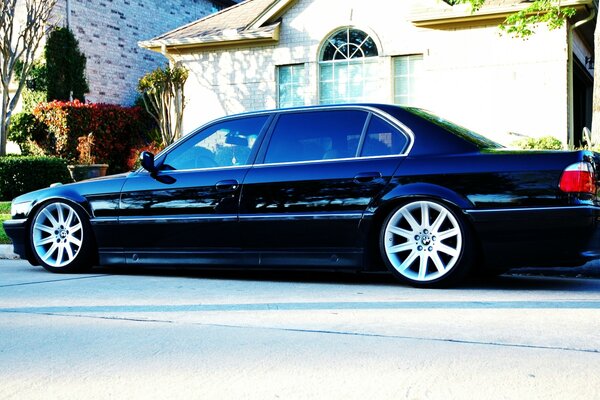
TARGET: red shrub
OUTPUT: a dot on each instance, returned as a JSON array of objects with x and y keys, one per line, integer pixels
[
  {"x": 116, "y": 130},
  {"x": 134, "y": 155}
]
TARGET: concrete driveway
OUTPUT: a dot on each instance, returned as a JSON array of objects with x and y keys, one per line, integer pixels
[{"x": 264, "y": 335}]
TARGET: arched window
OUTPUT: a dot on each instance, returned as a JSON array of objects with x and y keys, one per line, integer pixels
[{"x": 348, "y": 67}]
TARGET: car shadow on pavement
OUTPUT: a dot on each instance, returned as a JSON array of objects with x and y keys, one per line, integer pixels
[{"x": 510, "y": 281}]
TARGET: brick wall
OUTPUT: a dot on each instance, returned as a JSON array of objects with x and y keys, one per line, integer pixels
[{"x": 108, "y": 32}]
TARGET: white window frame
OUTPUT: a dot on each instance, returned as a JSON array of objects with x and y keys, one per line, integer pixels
[
  {"x": 414, "y": 92},
  {"x": 294, "y": 85}
]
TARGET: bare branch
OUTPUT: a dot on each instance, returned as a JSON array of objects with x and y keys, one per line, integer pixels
[{"x": 19, "y": 42}]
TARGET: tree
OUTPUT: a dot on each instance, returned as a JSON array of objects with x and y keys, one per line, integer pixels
[
  {"x": 19, "y": 42},
  {"x": 162, "y": 93},
  {"x": 521, "y": 24},
  {"x": 65, "y": 67}
]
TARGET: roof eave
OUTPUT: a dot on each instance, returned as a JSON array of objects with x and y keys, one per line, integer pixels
[
  {"x": 274, "y": 11},
  {"x": 243, "y": 38},
  {"x": 432, "y": 20}
]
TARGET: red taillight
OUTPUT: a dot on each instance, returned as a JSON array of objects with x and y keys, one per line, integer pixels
[{"x": 578, "y": 178}]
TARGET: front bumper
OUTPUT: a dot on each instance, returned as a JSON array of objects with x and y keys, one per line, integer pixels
[
  {"x": 16, "y": 229},
  {"x": 545, "y": 236}
]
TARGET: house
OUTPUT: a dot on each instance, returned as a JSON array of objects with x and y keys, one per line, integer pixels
[
  {"x": 108, "y": 32},
  {"x": 262, "y": 54}
]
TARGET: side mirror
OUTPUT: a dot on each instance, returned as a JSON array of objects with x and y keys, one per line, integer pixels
[{"x": 147, "y": 160}]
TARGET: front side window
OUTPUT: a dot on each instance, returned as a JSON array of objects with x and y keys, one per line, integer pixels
[
  {"x": 292, "y": 83},
  {"x": 349, "y": 68},
  {"x": 224, "y": 144},
  {"x": 319, "y": 135}
]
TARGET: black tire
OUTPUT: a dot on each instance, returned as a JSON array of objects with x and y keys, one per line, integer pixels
[
  {"x": 61, "y": 238},
  {"x": 426, "y": 244}
]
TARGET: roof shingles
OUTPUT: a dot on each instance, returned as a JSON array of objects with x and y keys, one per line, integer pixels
[{"x": 237, "y": 19}]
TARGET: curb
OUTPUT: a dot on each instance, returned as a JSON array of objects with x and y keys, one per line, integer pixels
[{"x": 6, "y": 252}]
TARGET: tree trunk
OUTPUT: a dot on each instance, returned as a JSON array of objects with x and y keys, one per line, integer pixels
[
  {"x": 596, "y": 96},
  {"x": 4, "y": 122}
]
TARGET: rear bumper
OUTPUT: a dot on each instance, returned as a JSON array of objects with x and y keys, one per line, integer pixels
[
  {"x": 550, "y": 236},
  {"x": 16, "y": 231}
]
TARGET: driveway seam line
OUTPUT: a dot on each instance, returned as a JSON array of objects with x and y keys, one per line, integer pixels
[
  {"x": 54, "y": 280},
  {"x": 326, "y": 332}
]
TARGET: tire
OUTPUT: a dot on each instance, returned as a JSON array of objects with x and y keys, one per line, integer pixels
[
  {"x": 426, "y": 244},
  {"x": 61, "y": 238}
]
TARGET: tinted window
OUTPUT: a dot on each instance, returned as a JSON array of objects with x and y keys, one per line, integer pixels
[
  {"x": 480, "y": 141},
  {"x": 382, "y": 139},
  {"x": 319, "y": 135},
  {"x": 224, "y": 144}
]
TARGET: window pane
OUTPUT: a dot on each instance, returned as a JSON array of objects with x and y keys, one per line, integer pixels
[
  {"x": 349, "y": 44},
  {"x": 382, "y": 139},
  {"x": 291, "y": 85},
  {"x": 408, "y": 75},
  {"x": 353, "y": 81},
  {"x": 315, "y": 136},
  {"x": 221, "y": 145}
]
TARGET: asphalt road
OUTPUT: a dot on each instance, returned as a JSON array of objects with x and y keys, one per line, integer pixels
[{"x": 209, "y": 335}]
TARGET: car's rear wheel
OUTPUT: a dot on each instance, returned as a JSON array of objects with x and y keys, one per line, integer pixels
[
  {"x": 61, "y": 239},
  {"x": 426, "y": 244}
]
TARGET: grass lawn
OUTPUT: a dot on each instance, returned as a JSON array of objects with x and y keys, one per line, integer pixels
[{"x": 4, "y": 215}]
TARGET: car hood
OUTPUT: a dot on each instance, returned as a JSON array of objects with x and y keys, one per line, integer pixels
[{"x": 77, "y": 191}]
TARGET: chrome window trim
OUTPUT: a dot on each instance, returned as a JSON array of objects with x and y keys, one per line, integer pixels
[
  {"x": 410, "y": 136},
  {"x": 325, "y": 161},
  {"x": 178, "y": 171}
]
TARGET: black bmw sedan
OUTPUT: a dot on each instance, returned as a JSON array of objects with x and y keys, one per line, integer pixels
[{"x": 363, "y": 187}]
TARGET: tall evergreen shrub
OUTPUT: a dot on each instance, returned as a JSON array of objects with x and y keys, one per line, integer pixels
[{"x": 65, "y": 67}]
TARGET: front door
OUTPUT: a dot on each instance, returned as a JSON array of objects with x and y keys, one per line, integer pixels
[{"x": 188, "y": 211}]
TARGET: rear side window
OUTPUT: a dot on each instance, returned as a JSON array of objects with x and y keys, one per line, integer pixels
[
  {"x": 382, "y": 139},
  {"x": 318, "y": 135}
]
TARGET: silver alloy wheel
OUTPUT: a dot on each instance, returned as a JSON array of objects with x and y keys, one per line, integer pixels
[
  {"x": 57, "y": 234},
  {"x": 423, "y": 241}
]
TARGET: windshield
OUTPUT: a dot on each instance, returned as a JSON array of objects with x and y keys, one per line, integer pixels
[{"x": 480, "y": 141}]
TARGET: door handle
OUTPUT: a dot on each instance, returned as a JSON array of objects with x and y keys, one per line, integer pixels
[
  {"x": 365, "y": 177},
  {"x": 227, "y": 185}
]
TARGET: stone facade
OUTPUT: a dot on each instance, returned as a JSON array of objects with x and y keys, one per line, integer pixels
[
  {"x": 108, "y": 32},
  {"x": 494, "y": 84}
]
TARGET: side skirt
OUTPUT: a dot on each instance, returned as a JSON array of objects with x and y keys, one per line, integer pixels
[{"x": 235, "y": 258}]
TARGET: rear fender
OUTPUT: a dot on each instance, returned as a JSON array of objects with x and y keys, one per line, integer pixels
[
  {"x": 421, "y": 190},
  {"x": 377, "y": 212}
]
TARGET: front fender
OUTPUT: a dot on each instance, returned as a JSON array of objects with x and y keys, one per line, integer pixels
[{"x": 69, "y": 195}]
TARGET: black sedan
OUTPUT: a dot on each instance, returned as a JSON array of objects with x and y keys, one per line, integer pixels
[{"x": 362, "y": 187}]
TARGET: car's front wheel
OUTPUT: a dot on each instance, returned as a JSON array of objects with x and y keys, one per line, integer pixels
[
  {"x": 61, "y": 239},
  {"x": 426, "y": 244}
]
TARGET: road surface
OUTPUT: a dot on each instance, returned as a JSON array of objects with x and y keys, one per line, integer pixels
[{"x": 264, "y": 335}]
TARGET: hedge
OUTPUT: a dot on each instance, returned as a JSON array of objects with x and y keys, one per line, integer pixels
[
  {"x": 20, "y": 175},
  {"x": 542, "y": 143}
]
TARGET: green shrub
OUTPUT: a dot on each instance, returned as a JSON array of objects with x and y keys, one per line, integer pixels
[
  {"x": 23, "y": 128},
  {"x": 542, "y": 143},
  {"x": 20, "y": 175}
]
